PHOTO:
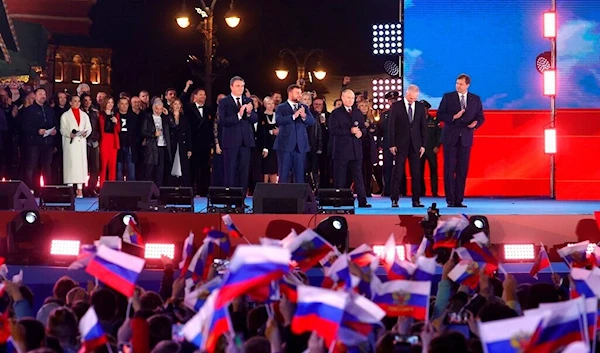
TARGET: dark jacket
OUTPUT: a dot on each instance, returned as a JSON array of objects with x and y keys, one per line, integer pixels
[
  {"x": 36, "y": 117},
  {"x": 433, "y": 138},
  {"x": 292, "y": 133},
  {"x": 346, "y": 147},
  {"x": 402, "y": 133},
  {"x": 148, "y": 132},
  {"x": 236, "y": 132},
  {"x": 130, "y": 137},
  {"x": 201, "y": 127},
  {"x": 458, "y": 129}
]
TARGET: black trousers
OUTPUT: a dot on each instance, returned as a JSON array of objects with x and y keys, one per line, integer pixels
[
  {"x": 456, "y": 167},
  {"x": 217, "y": 172},
  {"x": 399, "y": 173},
  {"x": 324, "y": 170},
  {"x": 236, "y": 166},
  {"x": 312, "y": 169},
  {"x": 255, "y": 169},
  {"x": 156, "y": 172},
  {"x": 38, "y": 157},
  {"x": 431, "y": 159},
  {"x": 340, "y": 173},
  {"x": 200, "y": 169}
]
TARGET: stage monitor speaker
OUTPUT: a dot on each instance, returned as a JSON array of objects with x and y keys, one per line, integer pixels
[
  {"x": 15, "y": 195},
  {"x": 57, "y": 197},
  {"x": 284, "y": 199},
  {"x": 126, "y": 195},
  {"x": 177, "y": 198}
]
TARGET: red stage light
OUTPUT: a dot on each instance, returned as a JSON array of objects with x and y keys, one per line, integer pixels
[
  {"x": 64, "y": 247},
  {"x": 550, "y": 24},
  {"x": 378, "y": 250},
  {"x": 155, "y": 250},
  {"x": 550, "y": 82},
  {"x": 550, "y": 141},
  {"x": 516, "y": 252}
]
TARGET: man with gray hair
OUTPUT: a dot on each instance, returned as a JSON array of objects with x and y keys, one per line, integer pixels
[
  {"x": 407, "y": 128},
  {"x": 83, "y": 88}
]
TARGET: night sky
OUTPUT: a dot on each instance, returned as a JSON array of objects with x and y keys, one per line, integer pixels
[{"x": 150, "y": 50}]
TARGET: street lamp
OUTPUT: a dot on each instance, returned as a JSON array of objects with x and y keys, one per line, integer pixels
[
  {"x": 282, "y": 73},
  {"x": 206, "y": 27}
]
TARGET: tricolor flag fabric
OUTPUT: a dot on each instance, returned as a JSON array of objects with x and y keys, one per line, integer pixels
[
  {"x": 480, "y": 238},
  {"x": 540, "y": 262},
  {"x": 116, "y": 269},
  {"x": 363, "y": 256},
  {"x": 86, "y": 253},
  {"x": 218, "y": 243},
  {"x": 508, "y": 335},
  {"x": 360, "y": 315},
  {"x": 288, "y": 286},
  {"x": 195, "y": 299},
  {"x": 404, "y": 298},
  {"x": 481, "y": 255},
  {"x": 585, "y": 283},
  {"x": 92, "y": 335},
  {"x": 425, "y": 268},
  {"x": 233, "y": 230},
  {"x": 425, "y": 248},
  {"x": 338, "y": 275},
  {"x": 308, "y": 248},
  {"x": 277, "y": 242},
  {"x": 394, "y": 267},
  {"x": 252, "y": 267},
  {"x": 447, "y": 232},
  {"x": 187, "y": 253},
  {"x": 465, "y": 272},
  {"x": 132, "y": 234},
  {"x": 204, "y": 329},
  {"x": 199, "y": 265},
  {"x": 320, "y": 310},
  {"x": 575, "y": 255},
  {"x": 330, "y": 258}
]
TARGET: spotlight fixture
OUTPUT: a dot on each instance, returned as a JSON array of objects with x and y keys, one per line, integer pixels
[
  {"x": 550, "y": 24},
  {"x": 543, "y": 62},
  {"x": 380, "y": 87},
  {"x": 334, "y": 229},
  {"x": 25, "y": 243},
  {"x": 391, "y": 68},
  {"x": 387, "y": 39},
  {"x": 64, "y": 247},
  {"x": 550, "y": 141},
  {"x": 116, "y": 226}
]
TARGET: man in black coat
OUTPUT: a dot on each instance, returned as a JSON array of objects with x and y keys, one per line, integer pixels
[
  {"x": 128, "y": 153},
  {"x": 346, "y": 127},
  {"x": 156, "y": 129},
  {"x": 407, "y": 141},
  {"x": 39, "y": 128},
  {"x": 236, "y": 117},
  {"x": 462, "y": 114}
]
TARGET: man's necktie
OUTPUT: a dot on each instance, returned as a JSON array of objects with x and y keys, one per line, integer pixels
[
  {"x": 295, "y": 108},
  {"x": 239, "y": 103},
  {"x": 200, "y": 110},
  {"x": 463, "y": 104},
  {"x": 350, "y": 111},
  {"x": 410, "y": 113}
]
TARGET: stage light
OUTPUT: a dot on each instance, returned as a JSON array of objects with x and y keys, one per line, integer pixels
[
  {"x": 550, "y": 82},
  {"x": 379, "y": 249},
  {"x": 543, "y": 62},
  {"x": 31, "y": 217},
  {"x": 25, "y": 243},
  {"x": 126, "y": 218},
  {"x": 64, "y": 247},
  {"x": 550, "y": 141},
  {"x": 334, "y": 229},
  {"x": 387, "y": 39},
  {"x": 519, "y": 252},
  {"x": 550, "y": 24},
  {"x": 477, "y": 224},
  {"x": 156, "y": 250},
  {"x": 381, "y": 87},
  {"x": 116, "y": 226}
]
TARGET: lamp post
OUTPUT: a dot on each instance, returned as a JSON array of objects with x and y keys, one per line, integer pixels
[
  {"x": 301, "y": 57},
  {"x": 206, "y": 27}
]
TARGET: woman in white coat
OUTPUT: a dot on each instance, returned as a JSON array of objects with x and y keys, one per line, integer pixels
[{"x": 75, "y": 127}]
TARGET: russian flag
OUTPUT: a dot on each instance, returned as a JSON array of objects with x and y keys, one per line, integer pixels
[
  {"x": 508, "y": 335},
  {"x": 195, "y": 299},
  {"x": 465, "y": 272},
  {"x": 411, "y": 251},
  {"x": 585, "y": 283},
  {"x": 575, "y": 255},
  {"x": 277, "y": 242},
  {"x": 541, "y": 262},
  {"x": 404, "y": 298},
  {"x": 425, "y": 248},
  {"x": 425, "y": 269},
  {"x": 360, "y": 315},
  {"x": 483, "y": 256},
  {"x": 132, "y": 234},
  {"x": 218, "y": 244},
  {"x": 394, "y": 268},
  {"x": 92, "y": 335},
  {"x": 329, "y": 259},
  {"x": 563, "y": 325},
  {"x": 368, "y": 284},
  {"x": 363, "y": 256},
  {"x": 338, "y": 275},
  {"x": 204, "y": 329},
  {"x": 252, "y": 266},
  {"x": 447, "y": 232},
  {"x": 308, "y": 248},
  {"x": 116, "y": 269},
  {"x": 186, "y": 254},
  {"x": 288, "y": 286},
  {"x": 320, "y": 310},
  {"x": 233, "y": 230},
  {"x": 86, "y": 253},
  {"x": 199, "y": 265}
]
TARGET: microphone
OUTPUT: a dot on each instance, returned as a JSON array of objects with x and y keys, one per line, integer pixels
[
  {"x": 356, "y": 123},
  {"x": 73, "y": 132}
]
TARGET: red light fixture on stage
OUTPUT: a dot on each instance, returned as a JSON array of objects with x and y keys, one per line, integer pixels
[
  {"x": 550, "y": 141},
  {"x": 550, "y": 24},
  {"x": 550, "y": 83}
]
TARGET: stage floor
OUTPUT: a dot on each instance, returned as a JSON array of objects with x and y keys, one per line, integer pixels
[{"x": 484, "y": 206}]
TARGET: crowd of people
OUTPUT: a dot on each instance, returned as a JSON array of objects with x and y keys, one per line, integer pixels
[{"x": 179, "y": 139}]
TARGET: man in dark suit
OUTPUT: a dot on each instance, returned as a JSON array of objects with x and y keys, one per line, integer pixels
[
  {"x": 346, "y": 127},
  {"x": 321, "y": 117},
  {"x": 407, "y": 140},
  {"x": 384, "y": 142},
  {"x": 462, "y": 113},
  {"x": 292, "y": 143},
  {"x": 201, "y": 119},
  {"x": 236, "y": 116}
]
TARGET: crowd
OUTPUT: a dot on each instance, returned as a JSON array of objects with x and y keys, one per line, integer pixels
[{"x": 180, "y": 139}]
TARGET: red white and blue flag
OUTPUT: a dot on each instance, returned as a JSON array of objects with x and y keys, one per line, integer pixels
[
  {"x": 447, "y": 232},
  {"x": 308, "y": 248},
  {"x": 204, "y": 329},
  {"x": 540, "y": 262},
  {"x": 575, "y": 255},
  {"x": 425, "y": 268},
  {"x": 338, "y": 275},
  {"x": 116, "y": 269},
  {"x": 466, "y": 272},
  {"x": 394, "y": 267},
  {"x": 363, "y": 256},
  {"x": 233, "y": 230},
  {"x": 218, "y": 243},
  {"x": 92, "y": 335},
  {"x": 360, "y": 315},
  {"x": 195, "y": 299},
  {"x": 288, "y": 286},
  {"x": 86, "y": 253},
  {"x": 132, "y": 234},
  {"x": 187, "y": 253},
  {"x": 481, "y": 255},
  {"x": 404, "y": 298},
  {"x": 508, "y": 335}
]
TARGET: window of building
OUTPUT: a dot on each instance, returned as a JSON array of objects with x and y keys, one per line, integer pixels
[
  {"x": 95, "y": 71},
  {"x": 59, "y": 68},
  {"x": 77, "y": 76}
]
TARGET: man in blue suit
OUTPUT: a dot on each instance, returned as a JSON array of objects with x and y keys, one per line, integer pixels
[
  {"x": 292, "y": 119},
  {"x": 462, "y": 114},
  {"x": 236, "y": 116}
]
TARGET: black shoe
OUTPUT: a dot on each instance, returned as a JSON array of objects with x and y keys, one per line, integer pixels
[
  {"x": 451, "y": 204},
  {"x": 417, "y": 204},
  {"x": 364, "y": 205},
  {"x": 395, "y": 204},
  {"x": 460, "y": 205}
]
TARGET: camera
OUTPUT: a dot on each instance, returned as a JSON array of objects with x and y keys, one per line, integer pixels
[{"x": 429, "y": 222}]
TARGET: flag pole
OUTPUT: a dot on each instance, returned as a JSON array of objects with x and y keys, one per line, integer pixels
[
  {"x": 551, "y": 269},
  {"x": 109, "y": 347},
  {"x": 129, "y": 305}
]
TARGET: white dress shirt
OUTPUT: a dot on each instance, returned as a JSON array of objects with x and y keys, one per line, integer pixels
[
  {"x": 200, "y": 109},
  {"x": 158, "y": 125},
  {"x": 460, "y": 95},
  {"x": 235, "y": 100}
]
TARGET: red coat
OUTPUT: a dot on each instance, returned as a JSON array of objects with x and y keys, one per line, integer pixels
[{"x": 109, "y": 141}]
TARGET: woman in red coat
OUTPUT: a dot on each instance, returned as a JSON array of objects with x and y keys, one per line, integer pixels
[{"x": 110, "y": 127}]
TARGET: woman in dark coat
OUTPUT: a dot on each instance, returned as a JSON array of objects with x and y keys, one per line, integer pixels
[
  {"x": 179, "y": 172},
  {"x": 156, "y": 130},
  {"x": 267, "y": 132}
]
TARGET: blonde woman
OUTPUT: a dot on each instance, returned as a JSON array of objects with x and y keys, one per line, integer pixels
[
  {"x": 75, "y": 127},
  {"x": 368, "y": 144},
  {"x": 267, "y": 132},
  {"x": 181, "y": 147}
]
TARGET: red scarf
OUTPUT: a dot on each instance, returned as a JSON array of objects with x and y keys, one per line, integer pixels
[{"x": 77, "y": 114}]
